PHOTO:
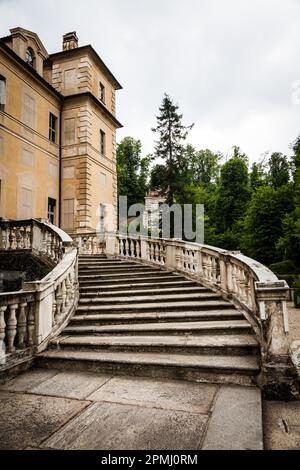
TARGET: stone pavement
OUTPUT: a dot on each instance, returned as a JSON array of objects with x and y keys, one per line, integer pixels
[{"x": 52, "y": 409}]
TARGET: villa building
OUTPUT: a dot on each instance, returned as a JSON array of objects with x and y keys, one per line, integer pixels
[{"x": 57, "y": 133}]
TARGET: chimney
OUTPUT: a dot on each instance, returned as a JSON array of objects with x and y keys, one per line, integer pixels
[{"x": 70, "y": 41}]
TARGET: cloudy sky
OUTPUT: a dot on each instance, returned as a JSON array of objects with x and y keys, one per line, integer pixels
[{"x": 231, "y": 65}]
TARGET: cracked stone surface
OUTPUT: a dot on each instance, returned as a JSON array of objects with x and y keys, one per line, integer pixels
[{"x": 57, "y": 409}]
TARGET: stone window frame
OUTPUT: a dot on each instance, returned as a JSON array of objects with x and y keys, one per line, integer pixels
[
  {"x": 52, "y": 127},
  {"x": 2, "y": 92}
]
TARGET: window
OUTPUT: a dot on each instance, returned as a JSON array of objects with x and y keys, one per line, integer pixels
[
  {"x": 52, "y": 127},
  {"x": 70, "y": 79},
  {"x": 29, "y": 110},
  {"x": 69, "y": 131},
  {"x": 51, "y": 209},
  {"x": 68, "y": 210},
  {"x": 30, "y": 58},
  {"x": 26, "y": 203},
  {"x": 102, "y": 142},
  {"x": 2, "y": 93},
  {"x": 102, "y": 92}
]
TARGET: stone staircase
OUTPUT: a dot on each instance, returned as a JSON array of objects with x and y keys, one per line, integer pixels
[{"x": 137, "y": 319}]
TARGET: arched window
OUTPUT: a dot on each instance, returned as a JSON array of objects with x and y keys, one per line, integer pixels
[{"x": 30, "y": 59}]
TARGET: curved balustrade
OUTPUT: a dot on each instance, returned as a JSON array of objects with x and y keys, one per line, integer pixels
[
  {"x": 251, "y": 286},
  {"x": 36, "y": 236},
  {"x": 31, "y": 316}
]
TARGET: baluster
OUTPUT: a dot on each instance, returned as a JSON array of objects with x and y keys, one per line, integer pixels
[
  {"x": 44, "y": 243},
  {"x": 138, "y": 248},
  {"x": 2, "y": 331},
  {"x": 234, "y": 282},
  {"x": 64, "y": 295},
  {"x": 11, "y": 238},
  {"x": 126, "y": 246},
  {"x": 213, "y": 269},
  {"x": 68, "y": 289},
  {"x": 18, "y": 239},
  {"x": 22, "y": 324},
  {"x": 11, "y": 329},
  {"x": 59, "y": 301},
  {"x": 31, "y": 323}
]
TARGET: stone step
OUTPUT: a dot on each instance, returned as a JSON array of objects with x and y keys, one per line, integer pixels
[
  {"x": 115, "y": 269},
  {"x": 88, "y": 257},
  {"x": 158, "y": 279},
  {"x": 104, "y": 261},
  {"x": 138, "y": 287},
  {"x": 145, "y": 273},
  {"x": 239, "y": 370},
  {"x": 149, "y": 317},
  {"x": 170, "y": 328},
  {"x": 101, "y": 293},
  {"x": 155, "y": 297},
  {"x": 155, "y": 306},
  {"x": 188, "y": 344}
]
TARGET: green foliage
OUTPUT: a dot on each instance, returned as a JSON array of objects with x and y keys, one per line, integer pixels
[
  {"x": 133, "y": 170},
  {"x": 257, "y": 176},
  {"x": 263, "y": 222},
  {"x": 283, "y": 267},
  {"x": 233, "y": 194},
  {"x": 279, "y": 170}
]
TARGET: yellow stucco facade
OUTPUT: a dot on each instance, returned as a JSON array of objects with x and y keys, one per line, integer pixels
[{"x": 57, "y": 133}]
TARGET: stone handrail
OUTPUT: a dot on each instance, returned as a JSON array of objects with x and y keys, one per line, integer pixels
[
  {"x": 34, "y": 235},
  {"x": 29, "y": 318},
  {"x": 92, "y": 243},
  {"x": 249, "y": 285}
]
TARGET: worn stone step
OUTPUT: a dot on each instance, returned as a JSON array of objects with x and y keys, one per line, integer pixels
[
  {"x": 140, "y": 292},
  {"x": 171, "y": 328},
  {"x": 189, "y": 344},
  {"x": 240, "y": 370},
  {"x": 155, "y": 306},
  {"x": 88, "y": 257},
  {"x": 156, "y": 297},
  {"x": 145, "y": 273},
  {"x": 157, "y": 279},
  {"x": 115, "y": 269},
  {"x": 149, "y": 317},
  {"x": 139, "y": 287}
]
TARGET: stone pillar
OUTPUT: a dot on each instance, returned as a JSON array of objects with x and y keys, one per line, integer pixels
[
  {"x": 170, "y": 255},
  {"x": 278, "y": 372}
]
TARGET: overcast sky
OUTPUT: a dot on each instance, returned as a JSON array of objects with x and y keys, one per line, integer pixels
[{"x": 230, "y": 64}]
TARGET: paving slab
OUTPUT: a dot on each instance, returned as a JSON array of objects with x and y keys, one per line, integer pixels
[
  {"x": 71, "y": 384},
  {"x": 113, "y": 426},
  {"x": 236, "y": 422},
  {"x": 166, "y": 394},
  {"x": 26, "y": 420},
  {"x": 29, "y": 379},
  {"x": 281, "y": 425}
]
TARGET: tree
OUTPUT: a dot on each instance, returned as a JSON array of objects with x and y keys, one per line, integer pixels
[
  {"x": 237, "y": 153},
  {"x": 133, "y": 170},
  {"x": 232, "y": 195},
  {"x": 257, "y": 176},
  {"x": 289, "y": 244},
  {"x": 279, "y": 170},
  {"x": 204, "y": 165},
  {"x": 158, "y": 177},
  {"x": 169, "y": 147},
  {"x": 263, "y": 222}
]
